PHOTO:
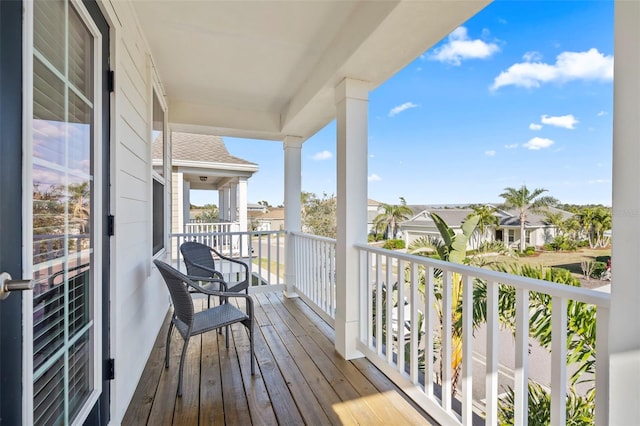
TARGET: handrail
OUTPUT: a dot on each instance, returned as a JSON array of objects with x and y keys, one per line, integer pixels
[{"x": 579, "y": 294}]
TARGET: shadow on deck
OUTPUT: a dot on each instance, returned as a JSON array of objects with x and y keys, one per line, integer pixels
[{"x": 299, "y": 378}]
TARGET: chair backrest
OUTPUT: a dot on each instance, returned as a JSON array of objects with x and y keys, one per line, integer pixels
[
  {"x": 196, "y": 253},
  {"x": 175, "y": 281}
]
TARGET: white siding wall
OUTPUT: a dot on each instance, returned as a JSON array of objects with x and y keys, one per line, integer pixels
[{"x": 139, "y": 301}]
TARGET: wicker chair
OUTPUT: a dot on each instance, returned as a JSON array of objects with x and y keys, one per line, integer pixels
[
  {"x": 190, "y": 323},
  {"x": 199, "y": 259}
]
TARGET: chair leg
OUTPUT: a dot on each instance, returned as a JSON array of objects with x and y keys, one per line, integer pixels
[
  {"x": 253, "y": 368},
  {"x": 167, "y": 346},
  {"x": 226, "y": 336},
  {"x": 184, "y": 353}
]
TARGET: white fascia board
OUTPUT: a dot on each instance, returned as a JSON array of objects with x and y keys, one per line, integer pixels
[{"x": 208, "y": 166}]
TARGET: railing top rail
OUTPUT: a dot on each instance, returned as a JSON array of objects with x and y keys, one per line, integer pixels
[
  {"x": 579, "y": 294},
  {"x": 208, "y": 234},
  {"x": 313, "y": 237}
]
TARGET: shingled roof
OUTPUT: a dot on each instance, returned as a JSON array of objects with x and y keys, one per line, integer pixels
[{"x": 198, "y": 148}]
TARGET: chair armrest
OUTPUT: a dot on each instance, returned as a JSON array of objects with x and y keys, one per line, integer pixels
[
  {"x": 213, "y": 272},
  {"x": 223, "y": 283},
  {"x": 229, "y": 259}
]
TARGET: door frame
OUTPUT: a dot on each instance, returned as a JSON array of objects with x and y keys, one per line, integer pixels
[
  {"x": 100, "y": 412},
  {"x": 11, "y": 182}
]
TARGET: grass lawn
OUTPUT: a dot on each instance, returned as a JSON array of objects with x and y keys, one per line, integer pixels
[{"x": 566, "y": 260}]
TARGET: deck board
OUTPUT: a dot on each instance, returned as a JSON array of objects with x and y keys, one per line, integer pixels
[{"x": 299, "y": 379}]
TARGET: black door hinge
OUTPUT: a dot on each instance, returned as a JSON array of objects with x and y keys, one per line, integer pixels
[
  {"x": 110, "y": 369},
  {"x": 111, "y": 225},
  {"x": 111, "y": 81}
]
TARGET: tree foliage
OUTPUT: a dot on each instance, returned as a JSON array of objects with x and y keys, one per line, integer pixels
[
  {"x": 525, "y": 201},
  {"x": 387, "y": 222},
  {"x": 594, "y": 221},
  {"x": 581, "y": 340},
  {"x": 487, "y": 220},
  {"x": 319, "y": 214},
  {"x": 210, "y": 214}
]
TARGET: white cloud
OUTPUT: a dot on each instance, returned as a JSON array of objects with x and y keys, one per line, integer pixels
[
  {"x": 601, "y": 113},
  {"x": 565, "y": 121},
  {"x": 535, "y": 126},
  {"x": 374, "y": 178},
  {"x": 596, "y": 181},
  {"x": 398, "y": 109},
  {"x": 532, "y": 56},
  {"x": 490, "y": 153},
  {"x": 538, "y": 143},
  {"x": 322, "y": 155},
  {"x": 372, "y": 156},
  {"x": 511, "y": 146},
  {"x": 460, "y": 47},
  {"x": 590, "y": 65}
]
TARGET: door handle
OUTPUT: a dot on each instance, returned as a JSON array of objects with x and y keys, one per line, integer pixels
[{"x": 7, "y": 285}]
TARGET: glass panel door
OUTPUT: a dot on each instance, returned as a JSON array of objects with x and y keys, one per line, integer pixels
[{"x": 63, "y": 212}]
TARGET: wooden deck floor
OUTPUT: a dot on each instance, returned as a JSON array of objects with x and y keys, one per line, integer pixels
[{"x": 299, "y": 378}]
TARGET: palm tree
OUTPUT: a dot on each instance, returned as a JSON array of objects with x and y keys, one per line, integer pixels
[
  {"x": 525, "y": 201},
  {"x": 486, "y": 219},
  {"x": 594, "y": 221},
  {"x": 393, "y": 214}
]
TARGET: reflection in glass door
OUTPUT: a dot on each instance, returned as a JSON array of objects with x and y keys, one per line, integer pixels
[{"x": 64, "y": 194}]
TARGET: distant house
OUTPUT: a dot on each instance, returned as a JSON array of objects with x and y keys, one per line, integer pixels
[
  {"x": 270, "y": 220},
  {"x": 537, "y": 230}
]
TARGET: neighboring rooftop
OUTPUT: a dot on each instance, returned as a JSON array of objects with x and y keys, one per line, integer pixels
[{"x": 191, "y": 147}]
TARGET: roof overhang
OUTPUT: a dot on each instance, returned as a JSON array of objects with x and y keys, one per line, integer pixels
[{"x": 265, "y": 70}]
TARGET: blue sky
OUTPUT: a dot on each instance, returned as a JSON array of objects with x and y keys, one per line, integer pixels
[{"x": 520, "y": 94}]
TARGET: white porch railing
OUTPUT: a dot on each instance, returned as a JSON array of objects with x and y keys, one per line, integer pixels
[
  {"x": 211, "y": 228},
  {"x": 262, "y": 252},
  {"x": 414, "y": 368},
  {"x": 315, "y": 273}
]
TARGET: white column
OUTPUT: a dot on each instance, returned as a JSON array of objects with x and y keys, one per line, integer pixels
[
  {"x": 227, "y": 197},
  {"x": 292, "y": 206},
  {"x": 221, "y": 204},
  {"x": 242, "y": 204},
  {"x": 352, "y": 99},
  {"x": 186, "y": 201},
  {"x": 233, "y": 202},
  {"x": 242, "y": 214},
  {"x": 624, "y": 326}
]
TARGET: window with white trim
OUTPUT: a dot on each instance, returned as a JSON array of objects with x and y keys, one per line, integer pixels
[{"x": 158, "y": 147}]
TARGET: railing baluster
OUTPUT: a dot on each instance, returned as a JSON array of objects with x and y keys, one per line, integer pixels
[
  {"x": 558, "y": 360},
  {"x": 446, "y": 340},
  {"x": 430, "y": 322},
  {"x": 401, "y": 319},
  {"x": 491, "y": 380},
  {"x": 415, "y": 330},
  {"x": 389, "y": 307},
  {"x": 467, "y": 350},
  {"x": 379, "y": 342},
  {"x": 602, "y": 366},
  {"x": 369, "y": 296},
  {"x": 521, "y": 372}
]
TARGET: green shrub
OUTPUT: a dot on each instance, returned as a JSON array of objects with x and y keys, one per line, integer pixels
[
  {"x": 598, "y": 269},
  {"x": 393, "y": 244},
  {"x": 564, "y": 243},
  {"x": 603, "y": 259}
]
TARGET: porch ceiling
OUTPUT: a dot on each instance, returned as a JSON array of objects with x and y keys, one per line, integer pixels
[{"x": 266, "y": 69}]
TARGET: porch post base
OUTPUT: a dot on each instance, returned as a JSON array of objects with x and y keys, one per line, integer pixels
[{"x": 346, "y": 339}]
